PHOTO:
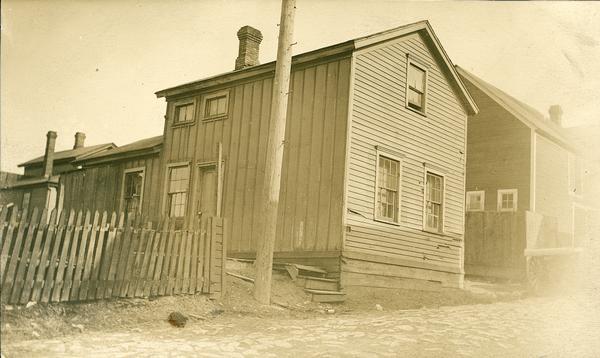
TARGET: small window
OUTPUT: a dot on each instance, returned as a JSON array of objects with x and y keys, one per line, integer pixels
[
  {"x": 388, "y": 189},
  {"x": 416, "y": 87},
  {"x": 216, "y": 106},
  {"x": 434, "y": 202},
  {"x": 507, "y": 200},
  {"x": 184, "y": 113},
  {"x": 133, "y": 187},
  {"x": 179, "y": 177},
  {"x": 475, "y": 200}
]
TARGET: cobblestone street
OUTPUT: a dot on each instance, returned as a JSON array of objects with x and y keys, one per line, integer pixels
[{"x": 534, "y": 327}]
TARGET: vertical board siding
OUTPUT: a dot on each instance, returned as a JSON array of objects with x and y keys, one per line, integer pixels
[
  {"x": 96, "y": 259},
  {"x": 552, "y": 183},
  {"x": 380, "y": 118},
  {"x": 310, "y": 208}
]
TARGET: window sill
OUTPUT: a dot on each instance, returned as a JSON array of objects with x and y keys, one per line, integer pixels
[
  {"x": 182, "y": 124},
  {"x": 416, "y": 111},
  {"x": 507, "y": 210},
  {"x": 215, "y": 118},
  {"x": 387, "y": 221},
  {"x": 433, "y": 231}
]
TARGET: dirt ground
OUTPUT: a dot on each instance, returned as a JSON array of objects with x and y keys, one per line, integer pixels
[{"x": 42, "y": 321}]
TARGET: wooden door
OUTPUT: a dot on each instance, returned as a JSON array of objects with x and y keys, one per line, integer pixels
[{"x": 206, "y": 203}]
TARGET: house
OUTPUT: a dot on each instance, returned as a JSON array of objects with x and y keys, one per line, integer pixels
[
  {"x": 518, "y": 161},
  {"x": 374, "y": 167},
  {"x": 39, "y": 185}
]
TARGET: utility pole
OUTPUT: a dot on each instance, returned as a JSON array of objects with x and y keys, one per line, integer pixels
[{"x": 275, "y": 146}]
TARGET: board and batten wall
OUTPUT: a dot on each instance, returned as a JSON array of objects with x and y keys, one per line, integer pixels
[
  {"x": 552, "y": 196},
  {"x": 379, "y": 117},
  {"x": 310, "y": 207},
  {"x": 498, "y": 154},
  {"x": 100, "y": 187}
]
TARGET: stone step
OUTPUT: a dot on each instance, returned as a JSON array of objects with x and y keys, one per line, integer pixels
[
  {"x": 326, "y": 296},
  {"x": 322, "y": 284}
]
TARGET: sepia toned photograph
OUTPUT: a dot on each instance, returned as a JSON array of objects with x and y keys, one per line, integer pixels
[{"x": 299, "y": 178}]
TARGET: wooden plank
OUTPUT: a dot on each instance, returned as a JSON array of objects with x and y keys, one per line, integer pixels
[
  {"x": 145, "y": 273},
  {"x": 49, "y": 278},
  {"x": 131, "y": 257},
  {"x": 223, "y": 256},
  {"x": 111, "y": 281},
  {"x": 180, "y": 262},
  {"x": 164, "y": 272},
  {"x": 3, "y": 225},
  {"x": 72, "y": 259},
  {"x": 89, "y": 257},
  {"x": 106, "y": 257},
  {"x": 96, "y": 262},
  {"x": 42, "y": 266},
  {"x": 34, "y": 261},
  {"x": 160, "y": 257},
  {"x": 214, "y": 259},
  {"x": 122, "y": 258},
  {"x": 24, "y": 258},
  {"x": 63, "y": 259},
  {"x": 136, "y": 271},
  {"x": 8, "y": 240},
  {"x": 81, "y": 253},
  {"x": 173, "y": 263},
  {"x": 186, "y": 262},
  {"x": 206, "y": 234},
  {"x": 193, "y": 262},
  {"x": 199, "y": 238},
  {"x": 9, "y": 274}
]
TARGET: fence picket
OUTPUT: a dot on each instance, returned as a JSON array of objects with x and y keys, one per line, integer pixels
[
  {"x": 193, "y": 262},
  {"x": 143, "y": 277},
  {"x": 74, "y": 295},
  {"x": 160, "y": 256},
  {"x": 164, "y": 277},
  {"x": 12, "y": 224},
  {"x": 123, "y": 257},
  {"x": 200, "y": 260},
  {"x": 173, "y": 263},
  {"x": 186, "y": 262},
  {"x": 106, "y": 255},
  {"x": 47, "y": 239},
  {"x": 35, "y": 259},
  {"x": 89, "y": 257},
  {"x": 136, "y": 262},
  {"x": 50, "y": 271},
  {"x": 3, "y": 225},
  {"x": 206, "y": 232},
  {"x": 63, "y": 262},
  {"x": 95, "y": 270},
  {"x": 10, "y": 272},
  {"x": 72, "y": 258},
  {"x": 24, "y": 258},
  {"x": 129, "y": 266},
  {"x": 111, "y": 282},
  {"x": 180, "y": 261}
]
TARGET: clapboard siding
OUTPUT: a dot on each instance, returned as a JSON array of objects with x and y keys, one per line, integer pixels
[
  {"x": 552, "y": 196},
  {"x": 310, "y": 208},
  {"x": 379, "y": 118},
  {"x": 498, "y": 154},
  {"x": 100, "y": 187}
]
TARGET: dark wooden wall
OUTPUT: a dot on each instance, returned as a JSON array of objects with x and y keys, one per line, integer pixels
[
  {"x": 498, "y": 151},
  {"x": 99, "y": 187},
  {"x": 312, "y": 189}
]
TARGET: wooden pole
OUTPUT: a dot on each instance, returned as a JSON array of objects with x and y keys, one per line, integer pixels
[{"x": 270, "y": 198}]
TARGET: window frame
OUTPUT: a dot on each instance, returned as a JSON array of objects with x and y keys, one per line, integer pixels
[
  {"x": 182, "y": 103},
  {"x": 206, "y": 98},
  {"x": 129, "y": 171},
  {"x": 441, "y": 229},
  {"x": 515, "y": 193},
  {"x": 376, "y": 215},
  {"x": 468, "y": 200},
  {"x": 166, "y": 204},
  {"x": 410, "y": 61}
]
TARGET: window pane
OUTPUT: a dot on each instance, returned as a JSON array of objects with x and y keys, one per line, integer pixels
[
  {"x": 388, "y": 188},
  {"x": 416, "y": 78}
]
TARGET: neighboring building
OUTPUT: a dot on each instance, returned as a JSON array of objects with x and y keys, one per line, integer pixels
[
  {"x": 520, "y": 161},
  {"x": 374, "y": 165}
]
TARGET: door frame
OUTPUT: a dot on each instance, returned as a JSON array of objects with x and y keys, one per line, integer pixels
[{"x": 218, "y": 165}]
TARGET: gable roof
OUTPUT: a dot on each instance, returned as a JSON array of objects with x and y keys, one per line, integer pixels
[
  {"x": 70, "y": 154},
  {"x": 347, "y": 47},
  {"x": 522, "y": 111},
  {"x": 138, "y": 148}
]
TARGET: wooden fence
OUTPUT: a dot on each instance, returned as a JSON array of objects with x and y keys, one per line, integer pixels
[
  {"x": 76, "y": 257},
  {"x": 494, "y": 244}
]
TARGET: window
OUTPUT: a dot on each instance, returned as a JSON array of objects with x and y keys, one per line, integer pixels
[
  {"x": 387, "y": 194},
  {"x": 507, "y": 200},
  {"x": 133, "y": 187},
  {"x": 434, "y": 202},
  {"x": 475, "y": 200},
  {"x": 416, "y": 86},
  {"x": 184, "y": 113},
  {"x": 216, "y": 105},
  {"x": 179, "y": 177}
]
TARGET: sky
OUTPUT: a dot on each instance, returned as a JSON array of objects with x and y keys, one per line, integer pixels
[{"x": 93, "y": 66}]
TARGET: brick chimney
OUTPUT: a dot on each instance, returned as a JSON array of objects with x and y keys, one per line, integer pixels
[
  {"x": 556, "y": 112},
  {"x": 250, "y": 39},
  {"x": 48, "y": 163},
  {"x": 79, "y": 139}
]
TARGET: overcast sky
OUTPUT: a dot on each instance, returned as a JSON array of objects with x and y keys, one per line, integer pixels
[{"x": 93, "y": 66}]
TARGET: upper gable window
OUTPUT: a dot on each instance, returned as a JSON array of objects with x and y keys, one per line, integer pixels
[
  {"x": 184, "y": 113},
  {"x": 216, "y": 105},
  {"x": 475, "y": 200},
  {"x": 416, "y": 87},
  {"x": 507, "y": 199}
]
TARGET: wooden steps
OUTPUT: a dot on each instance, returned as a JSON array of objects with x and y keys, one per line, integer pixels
[
  {"x": 321, "y": 284},
  {"x": 326, "y": 296},
  {"x": 315, "y": 282}
]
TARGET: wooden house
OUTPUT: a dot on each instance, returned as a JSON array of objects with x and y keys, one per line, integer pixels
[
  {"x": 518, "y": 161},
  {"x": 374, "y": 165}
]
